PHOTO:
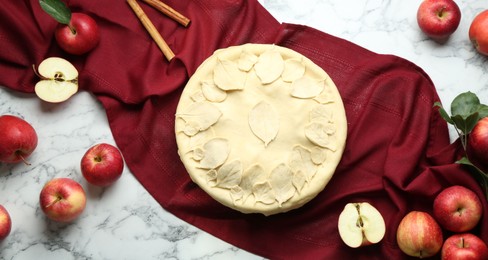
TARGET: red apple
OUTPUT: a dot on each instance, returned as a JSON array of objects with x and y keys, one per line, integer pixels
[
  {"x": 5, "y": 223},
  {"x": 419, "y": 235},
  {"x": 464, "y": 246},
  {"x": 438, "y": 19},
  {"x": 62, "y": 199},
  {"x": 478, "y": 139},
  {"x": 102, "y": 165},
  {"x": 18, "y": 139},
  {"x": 79, "y": 36},
  {"x": 457, "y": 209},
  {"x": 478, "y": 32}
]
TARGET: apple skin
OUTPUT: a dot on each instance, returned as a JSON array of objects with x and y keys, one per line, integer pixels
[
  {"x": 457, "y": 209},
  {"x": 419, "y": 235},
  {"x": 438, "y": 19},
  {"x": 19, "y": 139},
  {"x": 478, "y": 139},
  {"x": 62, "y": 199},
  {"x": 478, "y": 32},
  {"x": 102, "y": 165},
  {"x": 5, "y": 223},
  {"x": 464, "y": 246},
  {"x": 83, "y": 39}
]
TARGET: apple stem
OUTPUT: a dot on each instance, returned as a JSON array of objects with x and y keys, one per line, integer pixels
[
  {"x": 23, "y": 159},
  {"x": 441, "y": 12},
  {"x": 58, "y": 198},
  {"x": 462, "y": 242},
  {"x": 462, "y": 137},
  {"x": 72, "y": 29},
  {"x": 475, "y": 43},
  {"x": 37, "y": 73}
]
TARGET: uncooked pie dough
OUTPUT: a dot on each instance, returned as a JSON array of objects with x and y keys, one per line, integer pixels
[{"x": 260, "y": 128}]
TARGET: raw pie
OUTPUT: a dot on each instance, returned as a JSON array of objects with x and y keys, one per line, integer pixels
[{"x": 260, "y": 128}]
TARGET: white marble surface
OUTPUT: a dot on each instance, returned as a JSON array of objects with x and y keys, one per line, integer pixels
[{"x": 124, "y": 221}]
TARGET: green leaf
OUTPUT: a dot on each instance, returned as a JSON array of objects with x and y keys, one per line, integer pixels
[
  {"x": 443, "y": 113},
  {"x": 471, "y": 122},
  {"x": 465, "y": 161},
  {"x": 57, "y": 10},
  {"x": 437, "y": 104},
  {"x": 483, "y": 111},
  {"x": 465, "y": 104},
  {"x": 466, "y": 111},
  {"x": 460, "y": 123},
  {"x": 480, "y": 176}
]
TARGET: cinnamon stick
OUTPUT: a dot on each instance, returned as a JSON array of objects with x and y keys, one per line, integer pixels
[
  {"x": 168, "y": 53},
  {"x": 170, "y": 12}
]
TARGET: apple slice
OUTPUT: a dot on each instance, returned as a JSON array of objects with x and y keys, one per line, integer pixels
[
  {"x": 361, "y": 224},
  {"x": 59, "y": 80}
]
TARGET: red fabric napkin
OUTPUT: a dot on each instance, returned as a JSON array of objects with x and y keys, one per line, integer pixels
[{"x": 398, "y": 156}]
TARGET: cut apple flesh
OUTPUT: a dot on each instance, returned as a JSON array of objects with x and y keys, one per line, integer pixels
[
  {"x": 349, "y": 228},
  {"x": 59, "y": 80},
  {"x": 55, "y": 91},
  {"x": 361, "y": 224}
]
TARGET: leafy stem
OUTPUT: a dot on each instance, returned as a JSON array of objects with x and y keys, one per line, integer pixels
[
  {"x": 466, "y": 111},
  {"x": 481, "y": 176}
]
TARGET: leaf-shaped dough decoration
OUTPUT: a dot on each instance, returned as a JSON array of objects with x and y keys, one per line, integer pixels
[
  {"x": 270, "y": 66},
  {"x": 332, "y": 145},
  {"x": 236, "y": 193},
  {"x": 263, "y": 193},
  {"x": 318, "y": 155},
  {"x": 198, "y": 154},
  {"x": 306, "y": 87},
  {"x": 251, "y": 176},
  {"x": 321, "y": 113},
  {"x": 198, "y": 140},
  {"x": 212, "y": 93},
  {"x": 299, "y": 180},
  {"x": 211, "y": 177},
  {"x": 202, "y": 115},
  {"x": 281, "y": 180},
  {"x": 215, "y": 153},
  {"x": 320, "y": 134},
  {"x": 330, "y": 128},
  {"x": 229, "y": 175},
  {"x": 325, "y": 97},
  {"x": 301, "y": 161},
  {"x": 246, "y": 61},
  {"x": 197, "y": 96},
  {"x": 228, "y": 76},
  {"x": 191, "y": 128},
  {"x": 294, "y": 69},
  {"x": 264, "y": 122}
]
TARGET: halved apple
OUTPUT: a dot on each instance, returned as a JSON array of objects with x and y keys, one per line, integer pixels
[
  {"x": 361, "y": 224},
  {"x": 59, "y": 80}
]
